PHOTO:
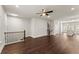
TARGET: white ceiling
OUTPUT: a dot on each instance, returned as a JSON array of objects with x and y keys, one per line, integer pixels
[{"x": 29, "y": 11}]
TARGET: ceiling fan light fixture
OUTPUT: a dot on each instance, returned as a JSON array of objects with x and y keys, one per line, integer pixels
[{"x": 43, "y": 14}]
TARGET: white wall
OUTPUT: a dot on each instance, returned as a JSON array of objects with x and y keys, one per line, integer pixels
[
  {"x": 15, "y": 24},
  {"x": 56, "y": 27},
  {"x": 34, "y": 27},
  {"x": 2, "y": 28},
  {"x": 18, "y": 24},
  {"x": 38, "y": 27}
]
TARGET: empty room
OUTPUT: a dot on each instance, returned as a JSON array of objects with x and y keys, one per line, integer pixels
[{"x": 39, "y": 29}]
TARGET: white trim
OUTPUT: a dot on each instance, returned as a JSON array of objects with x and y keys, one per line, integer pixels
[
  {"x": 1, "y": 48},
  {"x": 38, "y": 36}
]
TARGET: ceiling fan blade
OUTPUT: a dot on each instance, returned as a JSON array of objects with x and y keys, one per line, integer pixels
[
  {"x": 49, "y": 11},
  {"x": 44, "y": 12},
  {"x": 41, "y": 15},
  {"x": 38, "y": 13},
  {"x": 47, "y": 14}
]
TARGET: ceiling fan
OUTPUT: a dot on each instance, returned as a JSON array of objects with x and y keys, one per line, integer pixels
[{"x": 44, "y": 12}]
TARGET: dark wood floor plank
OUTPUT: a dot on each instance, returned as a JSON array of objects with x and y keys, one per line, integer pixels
[{"x": 45, "y": 45}]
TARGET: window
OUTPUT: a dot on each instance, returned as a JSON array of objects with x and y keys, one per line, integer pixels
[{"x": 70, "y": 27}]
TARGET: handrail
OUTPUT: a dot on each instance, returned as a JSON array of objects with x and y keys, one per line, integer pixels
[
  {"x": 24, "y": 33},
  {"x": 13, "y": 32}
]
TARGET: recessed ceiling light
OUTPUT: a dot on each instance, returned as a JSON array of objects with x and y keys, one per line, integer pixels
[
  {"x": 72, "y": 9},
  {"x": 13, "y": 14},
  {"x": 17, "y": 6}
]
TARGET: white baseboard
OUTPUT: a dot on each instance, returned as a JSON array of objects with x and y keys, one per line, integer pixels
[
  {"x": 1, "y": 48},
  {"x": 38, "y": 36}
]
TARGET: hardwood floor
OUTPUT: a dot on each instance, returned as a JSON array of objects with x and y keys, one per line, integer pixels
[{"x": 59, "y": 44}]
